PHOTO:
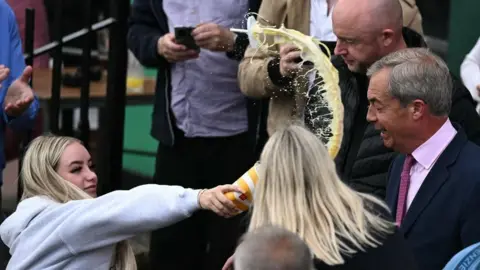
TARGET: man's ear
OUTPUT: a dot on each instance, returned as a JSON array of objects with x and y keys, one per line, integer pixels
[
  {"x": 387, "y": 37},
  {"x": 418, "y": 108}
]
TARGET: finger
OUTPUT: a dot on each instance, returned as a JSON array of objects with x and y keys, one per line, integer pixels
[
  {"x": 4, "y": 73},
  {"x": 203, "y": 37},
  {"x": 227, "y": 203},
  {"x": 203, "y": 27},
  {"x": 171, "y": 44},
  {"x": 175, "y": 47},
  {"x": 291, "y": 56},
  {"x": 216, "y": 210},
  {"x": 285, "y": 49},
  {"x": 8, "y": 107},
  {"x": 230, "y": 188},
  {"x": 218, "y": 204},
  {"x": 27, "y": 74}
]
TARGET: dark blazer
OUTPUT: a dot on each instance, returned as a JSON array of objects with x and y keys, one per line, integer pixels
[
  {"x": 393, "y": 254},
  {"x": 444, "y": 217},
  {"x": 147, "y": 23}
]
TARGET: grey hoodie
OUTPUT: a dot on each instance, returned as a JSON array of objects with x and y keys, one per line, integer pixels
[{"x": 81, "y": 234}]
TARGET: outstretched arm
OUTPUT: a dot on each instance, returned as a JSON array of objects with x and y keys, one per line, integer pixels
[
  {"x": 258, "y": 68},
  {"x": 93, "y": 223}
]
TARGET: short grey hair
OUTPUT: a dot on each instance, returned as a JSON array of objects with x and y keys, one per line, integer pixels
[
  {"x": 417, "y": 73},
  {"x": 272, "y": 248}
]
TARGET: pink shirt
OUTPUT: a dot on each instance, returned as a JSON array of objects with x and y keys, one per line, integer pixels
[{"x": 426, "y": 155}]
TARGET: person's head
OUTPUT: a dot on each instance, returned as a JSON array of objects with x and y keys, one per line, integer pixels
[
  {"x": 367, "y": 30},
  {"x": 272, "y": 248},
  {"x": 299, "y": 190},
  {"x": 410, "y": 95},
  {"x": 58, "y": 167},
  {"x": 61, "y": 169}
]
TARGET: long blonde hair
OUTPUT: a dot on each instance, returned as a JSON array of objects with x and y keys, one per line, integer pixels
[
  {"x": 40, "y": 178},
  {"x": 299, "y": 190}
]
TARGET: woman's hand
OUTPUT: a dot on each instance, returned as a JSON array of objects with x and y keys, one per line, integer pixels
[{"x": 215, "y": 200}]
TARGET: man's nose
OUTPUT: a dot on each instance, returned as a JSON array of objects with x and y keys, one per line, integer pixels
[
  {"x": 339, "y": 49},
  {"x": 371, "y": 117}
]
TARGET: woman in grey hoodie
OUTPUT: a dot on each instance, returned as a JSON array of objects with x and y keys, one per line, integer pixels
[{"x": 61, "y": 224}]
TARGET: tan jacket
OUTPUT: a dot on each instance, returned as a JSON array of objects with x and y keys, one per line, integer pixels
[{"x": 253, "y": 71}]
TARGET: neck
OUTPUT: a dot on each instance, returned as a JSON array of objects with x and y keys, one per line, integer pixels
[{"x": 425, "y": 131}]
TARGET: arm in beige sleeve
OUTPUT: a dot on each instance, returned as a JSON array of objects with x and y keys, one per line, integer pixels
[{"x": 253, "y": 73}]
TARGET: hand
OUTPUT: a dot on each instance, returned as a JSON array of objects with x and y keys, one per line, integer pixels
[
  {"x": 288, "y": 54},
  {"x": 4, "y": 71},
  {"x": 19, "y": 95},
  {"x": 214, "y": 37},
  {"x": 173, "y": 52},
  {"x": 215, "y": 200},
  {"x": 228, "y": 264},
  {"x": 478, "y": 89}
]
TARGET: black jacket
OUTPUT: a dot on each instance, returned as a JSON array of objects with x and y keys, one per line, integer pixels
[
  {"x": 147, "y": 24},
  {"x": 363, "y": 160},
  {"x": 393, "y": 254}
]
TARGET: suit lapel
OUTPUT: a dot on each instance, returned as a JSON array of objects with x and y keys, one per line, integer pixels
[
  {"x": 394, "y": 184},
  {"x": 438, "y": 175}
]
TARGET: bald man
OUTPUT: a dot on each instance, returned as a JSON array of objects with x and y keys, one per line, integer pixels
[{"x": 367, "y": 30}]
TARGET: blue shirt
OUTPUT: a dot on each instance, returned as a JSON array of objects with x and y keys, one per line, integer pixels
[
  {"x": 206, "y": 98},
  {"x": 11, "y": 55}
]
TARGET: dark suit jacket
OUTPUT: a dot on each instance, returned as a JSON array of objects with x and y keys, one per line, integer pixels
[{"x": 444, "y": 216}]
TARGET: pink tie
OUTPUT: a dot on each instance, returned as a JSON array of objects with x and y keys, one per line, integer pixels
[{"x": 403, "y": 190}]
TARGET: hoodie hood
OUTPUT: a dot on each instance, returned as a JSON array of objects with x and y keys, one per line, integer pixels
[{"x": 18, "y": 222}]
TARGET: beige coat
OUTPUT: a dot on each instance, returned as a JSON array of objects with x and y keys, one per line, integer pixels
[{"x": 253, "y": 74}]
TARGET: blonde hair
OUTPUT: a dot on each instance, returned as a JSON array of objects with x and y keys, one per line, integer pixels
[
  {"x": 40, "y": 178},
  {"x": 300, "y": 191}
]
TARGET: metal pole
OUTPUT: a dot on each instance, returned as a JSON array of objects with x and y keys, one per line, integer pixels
[
  {"x": 85, "y": 86},
  {"x": 110, "y": 148},
  {"x": 29, "y": 44},
  {"x": 54, "y": 106}
]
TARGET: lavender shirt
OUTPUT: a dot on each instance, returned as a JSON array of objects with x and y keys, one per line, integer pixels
[{"x": 206, "y": 99}]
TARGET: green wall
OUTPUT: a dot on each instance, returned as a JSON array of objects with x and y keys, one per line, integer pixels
[
  {"x": 137, "y": 137},
  {"x": 464, "y": 31}
]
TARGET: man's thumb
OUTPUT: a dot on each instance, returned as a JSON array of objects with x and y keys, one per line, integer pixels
[{"x": 27, "y": 74}]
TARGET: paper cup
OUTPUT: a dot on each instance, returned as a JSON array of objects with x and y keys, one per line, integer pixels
[{"x": 247, "y": 184}]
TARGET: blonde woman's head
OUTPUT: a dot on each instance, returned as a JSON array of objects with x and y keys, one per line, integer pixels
[
  {"x": 300, "y": 190},
  {"x": 58, "y": 167},
  {"x": 61, "y": 169}
]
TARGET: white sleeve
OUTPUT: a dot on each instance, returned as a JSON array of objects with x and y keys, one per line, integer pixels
[
  {"x": 119, "y": 215},
  {"x": 470, "y": 71}
]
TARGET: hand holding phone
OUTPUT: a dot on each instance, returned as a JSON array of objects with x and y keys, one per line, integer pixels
[
  {"x": 214, "y": 37},
  {"x": 168, "y": 47},
  {"x": 183, "y": 35}
]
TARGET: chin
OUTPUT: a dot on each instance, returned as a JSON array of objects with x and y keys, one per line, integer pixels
[{"x": 388, "y": 144}]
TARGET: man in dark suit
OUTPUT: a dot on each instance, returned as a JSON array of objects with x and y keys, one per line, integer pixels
[{"x": 434, "y": 185}]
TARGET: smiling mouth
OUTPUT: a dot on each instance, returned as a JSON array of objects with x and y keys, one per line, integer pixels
[{"x": 91, "y": 188}]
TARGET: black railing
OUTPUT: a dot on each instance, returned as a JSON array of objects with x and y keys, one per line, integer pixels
[{"x": 110, "y": 145}]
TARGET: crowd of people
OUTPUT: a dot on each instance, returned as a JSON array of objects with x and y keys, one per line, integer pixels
[{"x": 402, "y": 192}]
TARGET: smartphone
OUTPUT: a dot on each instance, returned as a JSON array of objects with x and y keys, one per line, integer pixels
[{"x": 183, "y": 35}]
